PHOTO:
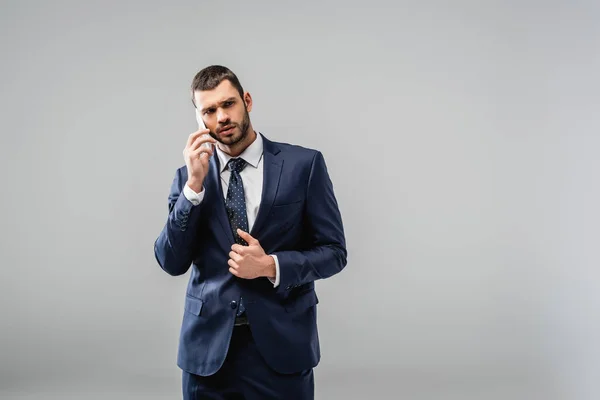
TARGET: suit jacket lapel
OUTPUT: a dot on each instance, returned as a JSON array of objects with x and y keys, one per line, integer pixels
[
  {"x": 272, "y": 165},
  {"x": 214, "y": 188}
]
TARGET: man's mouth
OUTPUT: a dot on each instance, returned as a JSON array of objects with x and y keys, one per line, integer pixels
[{"x": 226, "y": 130}]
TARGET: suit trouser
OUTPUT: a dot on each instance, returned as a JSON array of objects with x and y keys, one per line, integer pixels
[{"x": 245, "y": 375}]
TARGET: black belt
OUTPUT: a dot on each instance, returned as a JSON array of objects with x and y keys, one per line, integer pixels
[{"x": 241, "y": 320}]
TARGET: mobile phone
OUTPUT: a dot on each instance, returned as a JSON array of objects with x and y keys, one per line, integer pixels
[
  {"x": 200, "y": 120},
  {"x": 201, "y": 126}
]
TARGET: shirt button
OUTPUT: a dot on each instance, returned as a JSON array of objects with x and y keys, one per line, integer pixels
[{"x": 233, "y": 304}]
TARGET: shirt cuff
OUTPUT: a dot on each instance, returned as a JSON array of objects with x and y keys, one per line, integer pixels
[
  {"x": 193, "y": 197},
  {"x": 276, "y": 281}
]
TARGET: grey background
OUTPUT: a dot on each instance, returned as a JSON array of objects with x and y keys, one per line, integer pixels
[{"x": 461, "y": 137}]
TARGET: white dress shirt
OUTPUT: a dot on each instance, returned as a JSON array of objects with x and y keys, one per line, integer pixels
[{"x": 252, "y": 179}]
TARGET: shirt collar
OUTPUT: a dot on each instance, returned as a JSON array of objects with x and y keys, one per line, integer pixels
[{"x": 251, "y": 154}]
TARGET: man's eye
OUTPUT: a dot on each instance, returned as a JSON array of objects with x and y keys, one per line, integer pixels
[
  {"x": 209, "y": 111},
  {"x": 228, "y": 103}
]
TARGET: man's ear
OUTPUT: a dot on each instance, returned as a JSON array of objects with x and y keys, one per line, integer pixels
[{"x": 248, "y": 101}]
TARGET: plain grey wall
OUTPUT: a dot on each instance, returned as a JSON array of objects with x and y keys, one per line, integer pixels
[{"x": 462, "y": 139}]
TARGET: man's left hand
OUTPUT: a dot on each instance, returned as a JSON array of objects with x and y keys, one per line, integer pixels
[{"x": 250, "y": 262}]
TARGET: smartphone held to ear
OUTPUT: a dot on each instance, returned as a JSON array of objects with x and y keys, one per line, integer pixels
[
  {"x": 201, "y": 126},
  {"x": 199, "y": 120}
]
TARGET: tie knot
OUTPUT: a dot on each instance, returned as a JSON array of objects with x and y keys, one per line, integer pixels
[{"x": 236, "y": 164}]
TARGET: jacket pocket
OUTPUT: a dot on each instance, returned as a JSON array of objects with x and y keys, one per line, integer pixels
[
  {"x": 193, "y": 305},
  {"x": 302, "y": 302}
]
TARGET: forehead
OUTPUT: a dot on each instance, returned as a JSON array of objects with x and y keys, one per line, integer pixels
[{"x": 206, "y": 98}]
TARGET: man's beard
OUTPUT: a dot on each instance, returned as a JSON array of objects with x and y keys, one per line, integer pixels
[{"x": 240, "y": 137}]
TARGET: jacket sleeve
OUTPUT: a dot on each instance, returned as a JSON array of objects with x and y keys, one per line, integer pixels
[
  {"x": 173, "y": 248},
  {"x": 327, "y": 256}
]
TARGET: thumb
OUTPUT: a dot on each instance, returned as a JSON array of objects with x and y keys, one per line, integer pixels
[{"x": 247, "y": 237}]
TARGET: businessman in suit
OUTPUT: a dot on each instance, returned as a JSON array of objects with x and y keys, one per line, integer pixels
[{"x": 258, "y": 222}]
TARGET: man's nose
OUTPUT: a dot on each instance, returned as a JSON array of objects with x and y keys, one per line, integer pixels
[{"x": 222, "y": 116}]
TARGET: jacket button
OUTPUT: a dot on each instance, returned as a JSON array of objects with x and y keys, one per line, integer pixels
[{"x": 233, "y": 304}]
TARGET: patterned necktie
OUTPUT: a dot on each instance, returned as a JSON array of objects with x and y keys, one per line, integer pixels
[{"x": 235, "y": 204}]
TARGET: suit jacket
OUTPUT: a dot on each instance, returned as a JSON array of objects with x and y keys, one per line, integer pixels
[{"x": 298, "y": 220}]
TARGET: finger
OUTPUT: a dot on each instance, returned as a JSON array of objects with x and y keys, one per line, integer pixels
[
  {"x": 194, "y": 136},
  {"x": 199, "y": 141},
  {"x": 201, "y": 150},
  {"x": 235, "y": 256},
  {"x": 196, "y": 145},
  {"x": 246, "y": 236},
  {"x": 204, "y": 156},
  {"x": 232, "y": 264},
  {"x": 238, "y": 248},
  {"x": 234, "y": 272}
]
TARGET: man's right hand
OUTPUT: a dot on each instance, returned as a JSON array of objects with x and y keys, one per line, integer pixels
[{"x": 196, "y": 158}]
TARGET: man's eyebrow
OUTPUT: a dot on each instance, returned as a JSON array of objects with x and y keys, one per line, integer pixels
[{"x": 232, "y": 98}]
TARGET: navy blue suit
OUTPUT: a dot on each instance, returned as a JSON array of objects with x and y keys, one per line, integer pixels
[{"x": 298, "y": 220}]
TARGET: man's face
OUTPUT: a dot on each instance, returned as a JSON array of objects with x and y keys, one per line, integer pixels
[{"x": 224, "y": 112}]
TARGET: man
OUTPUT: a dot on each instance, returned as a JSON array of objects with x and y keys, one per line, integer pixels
[{"x": 258, "y": 222}]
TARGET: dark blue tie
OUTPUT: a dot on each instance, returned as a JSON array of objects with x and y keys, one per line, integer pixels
[{"x": 235, "y": 204}]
